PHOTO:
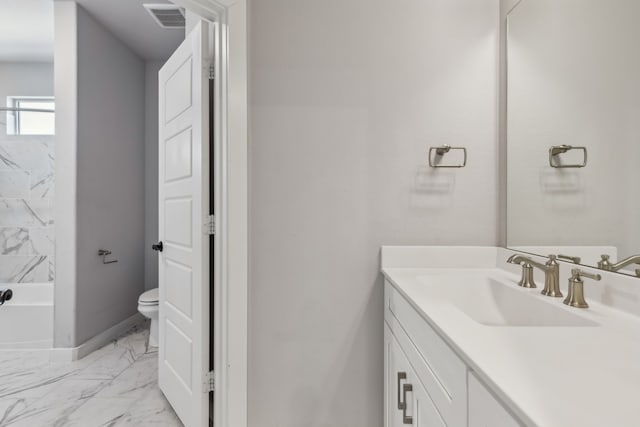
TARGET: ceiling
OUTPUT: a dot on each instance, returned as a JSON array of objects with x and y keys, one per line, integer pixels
[
  {"x": 26, "y": 30},
  {"x": 132, "y": 24}
]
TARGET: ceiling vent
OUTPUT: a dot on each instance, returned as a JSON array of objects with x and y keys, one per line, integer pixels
[{"x": 167, "y": 15}]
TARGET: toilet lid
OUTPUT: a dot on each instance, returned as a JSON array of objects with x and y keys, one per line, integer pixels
[{"x": 149, "y": 297}]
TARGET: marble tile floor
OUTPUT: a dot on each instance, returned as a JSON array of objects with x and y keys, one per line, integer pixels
[{"x": 112, "y": 387}]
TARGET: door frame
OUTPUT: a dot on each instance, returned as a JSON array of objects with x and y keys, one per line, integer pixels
[{"x": 230, "y": 343}]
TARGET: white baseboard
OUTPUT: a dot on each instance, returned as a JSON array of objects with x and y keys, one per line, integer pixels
[
  {"x": 69, "y": 354},
  {"x": 44, "y": 345}
]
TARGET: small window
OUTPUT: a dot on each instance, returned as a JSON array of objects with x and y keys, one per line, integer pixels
[{"x": 22, "y": 121}]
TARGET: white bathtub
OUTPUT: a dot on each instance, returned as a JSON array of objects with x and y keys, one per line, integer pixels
[{"x": 26, "y": 322}]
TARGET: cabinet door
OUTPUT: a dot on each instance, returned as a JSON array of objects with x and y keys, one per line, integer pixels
[
  {"x": 485, "y": 410},
  {"x": 425, "y": 412},
  {"x": 407, "y": 402},
  {"x": 395, "y": 377}
]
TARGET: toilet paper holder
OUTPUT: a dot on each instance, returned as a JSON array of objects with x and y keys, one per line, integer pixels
[{"x": 104, "y": 253}]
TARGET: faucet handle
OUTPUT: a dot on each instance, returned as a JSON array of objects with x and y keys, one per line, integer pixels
[
  {"x": 573, "y": 259},
  {"x": 552, "y": 261},
  {"x": 577, "y": 273},
  {"x": 575, "y": 296},
  {"x": 604, "y": 263}
]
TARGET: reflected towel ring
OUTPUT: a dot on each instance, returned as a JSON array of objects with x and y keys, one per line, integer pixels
[
  {"x": 436, "y": 154},
  {"x": 556, "y": 150}
]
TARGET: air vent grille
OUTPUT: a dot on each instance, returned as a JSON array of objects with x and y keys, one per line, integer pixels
[{"x": 167, "y": 15}]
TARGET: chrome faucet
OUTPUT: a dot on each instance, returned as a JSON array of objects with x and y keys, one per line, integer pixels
[
  {"x": 605, "y": 264},
  {"x": 551, "y": 272}
]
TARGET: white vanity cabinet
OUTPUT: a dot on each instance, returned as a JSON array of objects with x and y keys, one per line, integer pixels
[
  {"x": 484, "y": 409},
  {"x": 443, "y": 390}
]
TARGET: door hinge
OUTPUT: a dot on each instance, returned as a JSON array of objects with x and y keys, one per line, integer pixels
[
  {"x": 212, "y": 72},
  {"x": 209, "y": 382},
  {"x": 210, "y": 225}
]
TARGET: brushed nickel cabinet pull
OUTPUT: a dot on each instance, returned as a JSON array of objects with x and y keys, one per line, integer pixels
[
  {"x": 401, "y": 376},
  {"x": 406, "y": 419}
]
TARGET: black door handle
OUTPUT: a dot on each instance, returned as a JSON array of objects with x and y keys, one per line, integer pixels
[
  {"x": 5, "y": 295},
  {"x": 157, "y": 247}
]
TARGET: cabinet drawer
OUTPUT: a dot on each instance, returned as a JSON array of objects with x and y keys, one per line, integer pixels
[
  {"x": 485, "y": 410},
  {"x": 441, "y": 371}
]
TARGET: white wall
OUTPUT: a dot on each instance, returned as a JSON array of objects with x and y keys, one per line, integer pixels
[
  {"x": 573, "y": 79},
  {"x": 109, "y": 201},
  {"x": 25, "y": 78},
  {"x": 66, "y": 93},
  {"x": 151, "y": 174},
  {"x": 346, "y": 99},
  {"x": 505, "y": 7}
]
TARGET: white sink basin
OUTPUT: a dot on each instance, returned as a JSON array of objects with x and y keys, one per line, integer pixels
[{"x": 493, "y": 303}]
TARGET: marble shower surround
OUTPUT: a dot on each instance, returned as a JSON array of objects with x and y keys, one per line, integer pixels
[{"x": 27, "y": 174}]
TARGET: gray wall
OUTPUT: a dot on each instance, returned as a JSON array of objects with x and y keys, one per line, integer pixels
[
  {"x": 109, "y": 183},
  {"x": 111, "y": 85},
  {"x": 151, "y": 174},
  {"x": 346, "y": 98}
]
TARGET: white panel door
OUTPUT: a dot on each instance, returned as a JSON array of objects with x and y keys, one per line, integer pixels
[{"x": 184, "y": 207}]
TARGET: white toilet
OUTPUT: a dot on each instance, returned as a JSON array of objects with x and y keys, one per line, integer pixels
[{"x": 148, "y": 306}]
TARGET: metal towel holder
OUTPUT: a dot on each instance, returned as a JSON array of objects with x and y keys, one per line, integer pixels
[
  {"x": 104, "y": 253},
  {"x": 441, "y": 151},
  {"x": 556, "y": 150}
]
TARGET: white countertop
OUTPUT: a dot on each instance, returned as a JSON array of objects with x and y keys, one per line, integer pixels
[{"x": 548, "y": 376}]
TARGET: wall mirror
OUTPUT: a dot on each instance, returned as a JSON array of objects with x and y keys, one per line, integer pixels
[{"x": 574, "y": 131}]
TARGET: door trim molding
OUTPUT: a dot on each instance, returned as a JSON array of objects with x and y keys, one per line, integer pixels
[{"x": 230, "y": 344}]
